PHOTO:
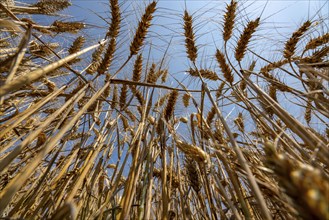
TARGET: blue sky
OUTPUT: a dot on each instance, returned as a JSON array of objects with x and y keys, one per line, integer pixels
[
  {"x": 282, "y": 10},
  {"x": 278, "y": 20}
]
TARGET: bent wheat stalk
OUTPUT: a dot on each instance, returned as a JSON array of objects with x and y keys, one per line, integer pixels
[
  {"x": 37, "y": 74},
  {"x": 309, "y": 138}
]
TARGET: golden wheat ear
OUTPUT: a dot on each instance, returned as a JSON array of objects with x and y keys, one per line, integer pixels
[
  {"x": 290, "y": 46},
  {"x": 229, "y": 19},
  {"x": 114, "y": 97},
  {"x": 151, "y": 76},
  {"x": 137, "y": 72},
  {"x": 70, "y": 27},
  {"x": 51, "y": 6},
  {"x": 244, "y": 39},
  {"x": 192, "y": 151},
  {"x": 211, "y": 115},
  {"x": 108, "y": 57},
  {"x": 186, "y": 99},
  {"x": 193, "y": 174},
  {"x": 142, "y": 29},
  {"x": 304, "y": 184},
  {"x": 169, "y": 110},
  {"x": 113, "y": 33},
  {"x": 96, "y": 60},
  {"x": 308, "y": 111},
  {"x": 114, "y": 28},
  {"x": 219, "y": 91},
  {"x": 207, "y": 74},
  {"x": 75, "y": 47},
  {"x": 191, "y": 48},
  {"x": 239, "y": 122},
  {"x": 123, "y": 96},
  {"x": 226, "y": 70},
  {"x": 271, "y": 66},
  {"x": 316, "y": 42}
]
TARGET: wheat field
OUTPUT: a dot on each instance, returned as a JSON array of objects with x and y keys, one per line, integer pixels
[{"x": 106, "y": 128}]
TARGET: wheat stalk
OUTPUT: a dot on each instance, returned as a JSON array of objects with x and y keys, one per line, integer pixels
[
  {"x": 80, "y": 147},
  {"x": 32, "y": 76}
]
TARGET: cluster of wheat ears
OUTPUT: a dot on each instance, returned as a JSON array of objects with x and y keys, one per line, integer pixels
[{"x": 80, "y": 139}]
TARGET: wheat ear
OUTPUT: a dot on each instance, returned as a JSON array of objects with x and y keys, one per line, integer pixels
[
  {"x": 123, "y": 96},
  {"x": 169, "y": 110},
  {"x": 193, "y": 151},
  {"x": 220, "y": 90},
  {"x": 192, "y": 174},
  {"x": 76, "y": 46},
  {"x": 229, "y": 18},
  {"x": 208, "y": 74},
  {"x": 51, "y": 6},
  {"x": 308, "y": 111},
  {"x": 290, "y": 45},
  {"x": 151, "y": 76},
  {"x": 71, "y": 27},
  {"x": 116, "y": 19},
  {"x": 244, "y": 39},
  {"x": 227, "y": 72},
  {"x": 186, "y": 99},
  {"x": 239, "y": 122},
  {"x": 142, "y": 29},
  {"x": 114, "y": 97},
  {"x": 211, "y": 115},
  {"x": 315, "y": 42},
  {"x": 107, "y": 60},
  {"x": 137, "y": 72},
  {"x": 191, "y": 49},
  {"x": 96, "y": 59}
]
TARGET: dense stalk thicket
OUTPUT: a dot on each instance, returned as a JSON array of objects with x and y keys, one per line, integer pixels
[{"x": 245, "y": 137}]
